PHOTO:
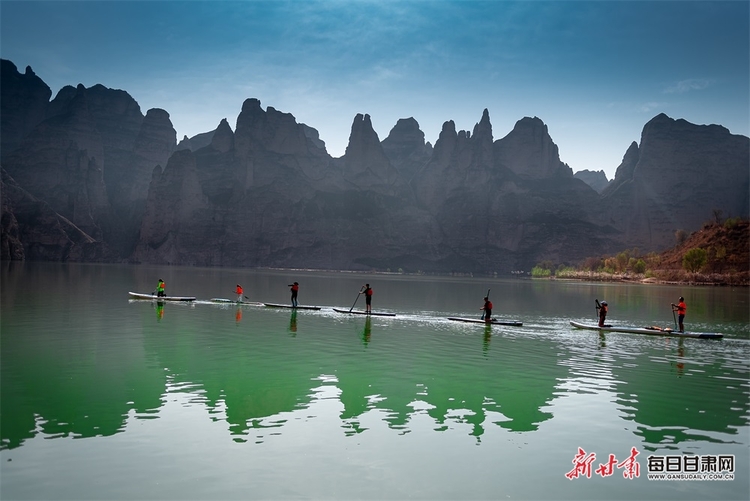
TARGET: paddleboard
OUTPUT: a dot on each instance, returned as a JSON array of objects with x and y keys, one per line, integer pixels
[
  {"x": 514, "y": 323},
  {"x": 138, "y": 295},
  {"x": 653, "y": 331},
  {"x": 233, "y": 301},
  {"x": 356, "y": 312},
  {"x": 274, "y": 305}
]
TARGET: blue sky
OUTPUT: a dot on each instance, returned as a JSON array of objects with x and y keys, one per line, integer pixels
[{"x": 594, "y": 72}]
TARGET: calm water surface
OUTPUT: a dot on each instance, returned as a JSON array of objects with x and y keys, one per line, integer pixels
[{"x": 107, "y": 398}]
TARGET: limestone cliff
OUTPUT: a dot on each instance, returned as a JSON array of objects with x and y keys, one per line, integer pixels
[
  {"x": 406, "y": 148},
  {"x": 24, "y": 104},
  {"x": 269, "y": 195},
  {"x": 529, "y": 152},
  {"x": 32, "y": 230},
  {"x": 89, "y": 155},
  {"x": 91, "y": 169},
  {"x": 675, "y": 179}
]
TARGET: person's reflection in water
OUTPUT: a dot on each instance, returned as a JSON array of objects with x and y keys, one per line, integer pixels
[
  {"x": 368, "y": 331},
  {"x": 159, "y": 310},
  {"x": 679, "y": 364},
  {"x": 238, "y": 315},
  {"x": 602, "y": 340},
  {"x": 487, "y": 337},
  {"x": 293, "y": 322}
]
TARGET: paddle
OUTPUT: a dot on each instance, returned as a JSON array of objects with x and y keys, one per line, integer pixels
[
  {"x": 598, "y": 306},
  {"x": 674, "y": 317},
  {"x": 355, "y": 301},
  {"x": 488, "y": 297}
]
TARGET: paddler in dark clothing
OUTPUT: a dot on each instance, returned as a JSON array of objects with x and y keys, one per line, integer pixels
[
  {"x": 602, "y": 313},
  {"x": 295, "y": 290},
  {"x": 487, "y": 309},
  {"x": 160, "y": 288},
  {"x": 368, "y": 298}
]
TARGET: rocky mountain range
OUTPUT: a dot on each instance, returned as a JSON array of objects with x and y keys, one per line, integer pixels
[{"x": 87, "y": 176}]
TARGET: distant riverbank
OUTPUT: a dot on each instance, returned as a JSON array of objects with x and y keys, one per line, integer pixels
[{"x": 670, "y": 277}]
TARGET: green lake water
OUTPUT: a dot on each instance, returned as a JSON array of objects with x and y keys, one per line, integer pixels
[{"x": 103, "y": 397}]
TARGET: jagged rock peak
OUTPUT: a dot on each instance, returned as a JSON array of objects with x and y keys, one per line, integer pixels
[
  {"x": 483, "y": 129},
  {"x": 25, "y": 99},
  {"x": 529, "y": 123},
  {"x": 405, "y": 127},
  {"x": 663, "y": 122},
  {"x": 629, "y": 161},
  {"x": 157, "y": 114},
  {"x": 405, "y": 147},
  {"x": 447, "y": 138},
  {"x": 362, "y": 134},
  {"x": 223, "y": 138},
  {"x": 528, "y": 150},
  {"x": 596, "y": 179},
  {"x": 406, "y": 134},
  {"x": 625, "y": 170},
  {"x": 251, "y": 105},
  {"x": 223, "y": 126},
  {"x": 449, "y": 128}
]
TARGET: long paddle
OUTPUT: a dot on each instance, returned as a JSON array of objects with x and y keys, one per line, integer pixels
[
  {"x": 675, "y": 318},
  {"x": 598, "y": 307},
  {"x": 357, "y": 299},
  {"x": 488, "y": 297}
]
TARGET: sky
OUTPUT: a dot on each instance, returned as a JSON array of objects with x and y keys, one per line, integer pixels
[{"x": 595, "y": 72}]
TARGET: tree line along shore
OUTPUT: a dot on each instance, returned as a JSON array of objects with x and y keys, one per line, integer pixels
[{"x": 717, "y": 254}]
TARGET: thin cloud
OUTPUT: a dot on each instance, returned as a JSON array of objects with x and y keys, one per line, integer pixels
[
  {"x": 688, "y": 85},
  {"x": 650, "y": 106}
]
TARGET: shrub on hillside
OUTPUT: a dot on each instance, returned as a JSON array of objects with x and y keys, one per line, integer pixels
[{"x": 694, "y": 259}]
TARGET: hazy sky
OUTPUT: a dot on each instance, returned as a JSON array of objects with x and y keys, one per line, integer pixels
[{"x": 594, "y": 72}]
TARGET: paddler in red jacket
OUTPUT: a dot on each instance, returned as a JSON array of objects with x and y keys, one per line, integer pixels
[
  {"x": 295, "y": 290},
  {"x": 368, "y": 298},
  {"x": 239, "y": 293},
  {"x": 487, "y": 309}
]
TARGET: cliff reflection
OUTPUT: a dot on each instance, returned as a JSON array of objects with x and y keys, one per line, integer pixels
[
  {"x": 452, "y": 383},
  {"x": 684, "y": 397},
  {"x": 85, "y": 383}
]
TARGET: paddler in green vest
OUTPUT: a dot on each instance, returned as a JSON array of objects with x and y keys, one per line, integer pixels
[{"x": 160, "y": 288}]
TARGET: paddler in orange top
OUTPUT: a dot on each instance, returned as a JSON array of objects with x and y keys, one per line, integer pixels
[
  {"x": 681, "y": 309},
  {"x": 295, "y": 290},
  {"x": 239, "y": 293}
]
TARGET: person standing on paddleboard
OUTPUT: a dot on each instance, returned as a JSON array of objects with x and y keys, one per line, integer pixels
[
  {"x": 368, "y": 298},
  {"x": 160, "y": 288},
  {"x": 603, "y": 309},
  {"x": 681, "y": 309},
  {"x": 295, "y": 290},
  {"x": 487, "y": 309},
  {"x": 239, "y": 293}
]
